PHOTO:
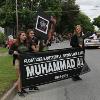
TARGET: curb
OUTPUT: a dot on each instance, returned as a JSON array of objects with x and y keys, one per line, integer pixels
[{"x": 9, "y": 95}]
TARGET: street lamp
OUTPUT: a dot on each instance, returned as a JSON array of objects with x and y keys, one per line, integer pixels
[{"x": 16, "y": 17}]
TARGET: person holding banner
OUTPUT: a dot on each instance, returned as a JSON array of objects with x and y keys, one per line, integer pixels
[
  {"x": 33, "y": 42},
  {"x": 77, "y": 41},
  {"x": 33, "y": 45},
  {"x": 20, "y": 46}
]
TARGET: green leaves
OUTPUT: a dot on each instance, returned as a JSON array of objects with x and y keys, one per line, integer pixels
[
  {"x": 67, "y": 14},
  {"x": 97, "y": 22},
  {"x": 85, "y": 22}
]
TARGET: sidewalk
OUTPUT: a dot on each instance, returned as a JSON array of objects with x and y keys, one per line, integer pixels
[{"x": 9, "y": 95}]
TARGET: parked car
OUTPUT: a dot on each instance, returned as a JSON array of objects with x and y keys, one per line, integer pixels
[{"x": 90, "y": 42}]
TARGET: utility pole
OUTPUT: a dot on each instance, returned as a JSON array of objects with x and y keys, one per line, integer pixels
[
  {"x": 31, "y": 4},
  {"x": 16, "y": 17}
]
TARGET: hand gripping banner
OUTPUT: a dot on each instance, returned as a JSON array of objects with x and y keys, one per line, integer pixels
[{"x": 50, "y": 66}]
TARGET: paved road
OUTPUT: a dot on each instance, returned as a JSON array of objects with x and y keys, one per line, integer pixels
[{"x": 87, "y": 89}]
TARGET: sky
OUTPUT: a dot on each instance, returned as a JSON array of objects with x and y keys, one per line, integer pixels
[{"x": 90, "y": 7}]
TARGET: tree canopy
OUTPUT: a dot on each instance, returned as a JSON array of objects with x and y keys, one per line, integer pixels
[
  {"x": 85, "y": 22},
  {"x": 67, "y": 14}
]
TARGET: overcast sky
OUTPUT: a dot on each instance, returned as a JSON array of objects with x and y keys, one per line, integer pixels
[{"x": 90, "y": 7}]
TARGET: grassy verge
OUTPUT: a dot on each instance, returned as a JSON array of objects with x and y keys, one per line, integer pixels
[
  {"x": 3, "y": 50},
  {"x": 7, "y": 72}
]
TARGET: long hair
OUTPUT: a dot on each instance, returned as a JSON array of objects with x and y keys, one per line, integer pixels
[
  {"x": 17, "y": 42},
  {"x": 27, "y": 33},
  {"x": 78, "y": 26}
]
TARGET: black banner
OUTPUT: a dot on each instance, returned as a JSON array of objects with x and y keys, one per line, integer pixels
[{"x": 50, "y": 66}]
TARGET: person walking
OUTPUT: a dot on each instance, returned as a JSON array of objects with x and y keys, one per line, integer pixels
[
  {"x": 20, "y": 46},
  {"x": 77, "y": 41}
]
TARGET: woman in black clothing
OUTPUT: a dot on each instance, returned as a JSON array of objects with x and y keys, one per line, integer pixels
[
  {"x": 33, "y": 45},
  {"x": 77, "y": 41},
  {"x": 33, "y": 42}
]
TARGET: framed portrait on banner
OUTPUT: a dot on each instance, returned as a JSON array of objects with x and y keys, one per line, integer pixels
[{"x": 42, "y": 24}]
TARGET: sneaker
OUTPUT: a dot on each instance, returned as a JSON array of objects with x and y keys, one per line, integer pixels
[
  {"x": 24, "y": 91},
  {"x": 76, "y": 78},
  {"x": 21, "y": 94},
  {"x": 36, "y": 88},
  {"x": 33, "y": 87}
]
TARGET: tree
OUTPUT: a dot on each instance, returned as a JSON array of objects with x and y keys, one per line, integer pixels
[
  {"x": 96, "y": 22},
  {"x": 85, "y": 22},
  {"x": 69, "y": 14},
  {"x": 7, "y": 13},
  {"x": 52, "y": 7},
  {"x": 2, "y": 2},
  {"x": 26, "y": 12}
]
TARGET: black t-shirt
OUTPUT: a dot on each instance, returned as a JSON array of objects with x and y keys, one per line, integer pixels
[
  {"x": 76, "y": 41},
  {"x": 31, "y": 42},
  {"x": 35, "y": 40}
]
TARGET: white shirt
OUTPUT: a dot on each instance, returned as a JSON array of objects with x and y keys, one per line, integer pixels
[{"x": 94, "y": 36}]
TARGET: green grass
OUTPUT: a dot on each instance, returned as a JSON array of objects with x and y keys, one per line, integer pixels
[
  {"x": 3, "y": 50},
  {"x": 7, "y": 72}
]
